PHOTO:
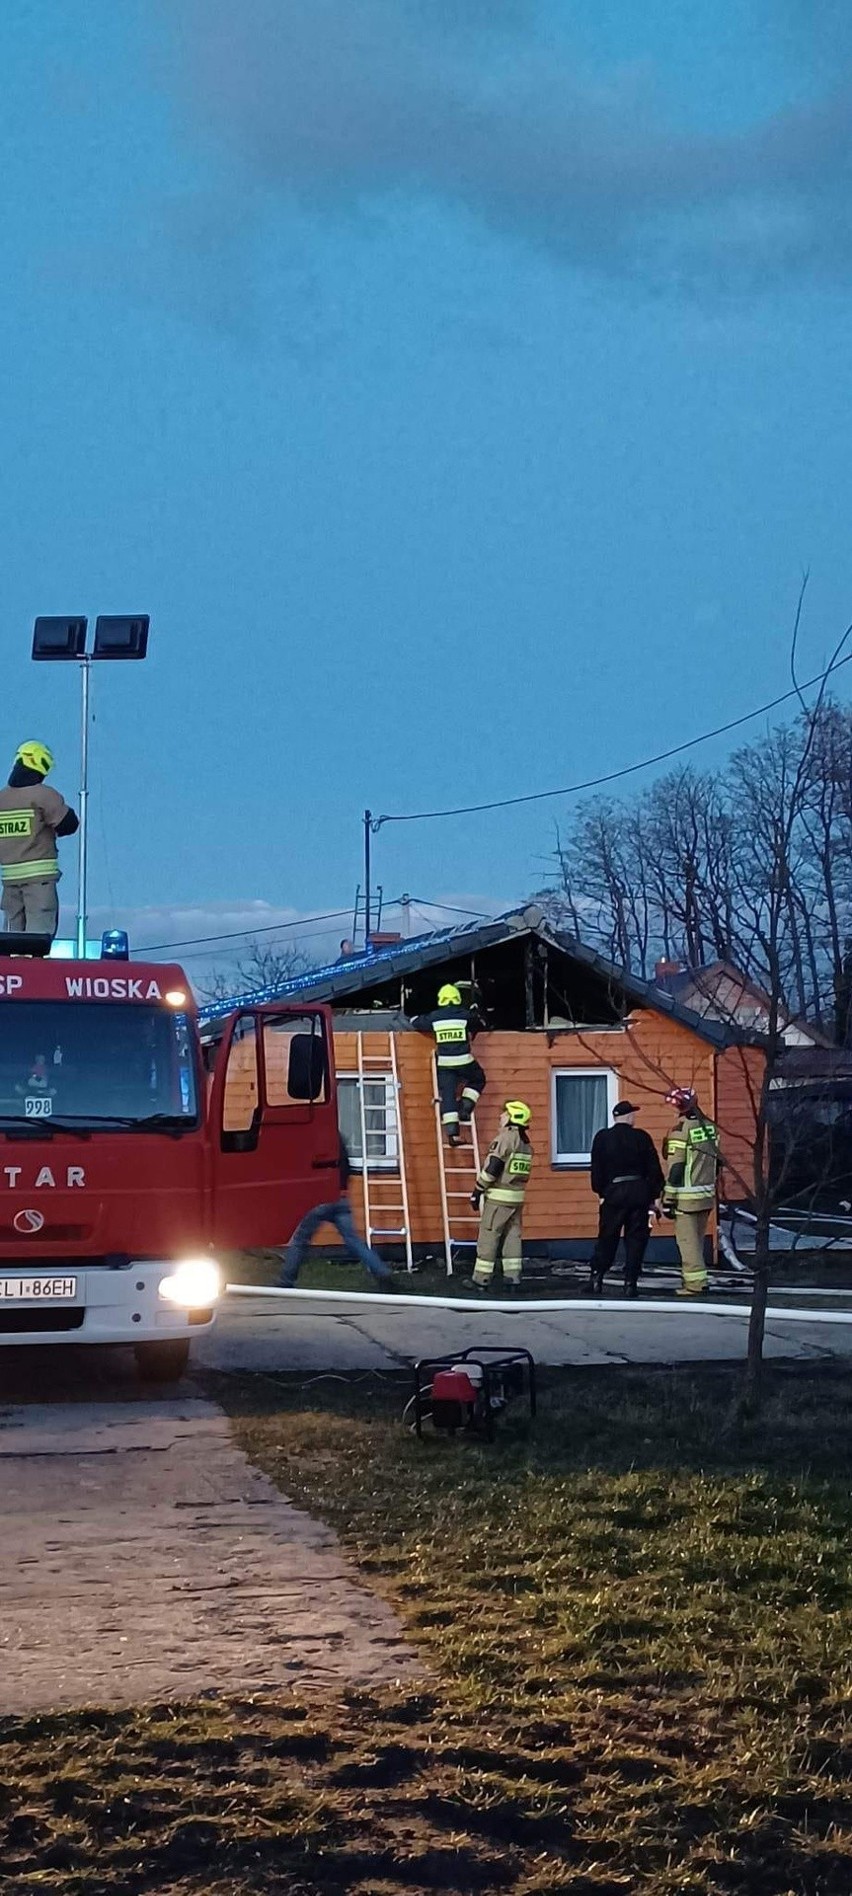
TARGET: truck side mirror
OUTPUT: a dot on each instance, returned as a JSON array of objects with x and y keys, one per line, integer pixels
[{"x": 307, "y": 1073}]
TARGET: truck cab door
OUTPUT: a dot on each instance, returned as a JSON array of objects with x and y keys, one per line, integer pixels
[{"x": 272, "y": 1124}]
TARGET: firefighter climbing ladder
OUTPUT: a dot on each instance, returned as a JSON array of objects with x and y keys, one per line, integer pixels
[
  {"x": 458, "y": 1167},
  {"x": 384, "y": 1216}
]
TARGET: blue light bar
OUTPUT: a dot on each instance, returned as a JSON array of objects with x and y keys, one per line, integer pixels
[{"x": 115, "y": 945}]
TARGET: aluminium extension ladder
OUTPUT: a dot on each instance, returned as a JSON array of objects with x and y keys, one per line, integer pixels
[
  {"x": 386, "y": 1213},
  {"x": 458, "y": 1169}
]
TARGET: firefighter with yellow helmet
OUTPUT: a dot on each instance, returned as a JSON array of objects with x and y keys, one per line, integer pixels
[
  {"x": 32, "y": 816},
  {"x": 499, "y": 1197},
  {"x": 461, "y": 1080}
]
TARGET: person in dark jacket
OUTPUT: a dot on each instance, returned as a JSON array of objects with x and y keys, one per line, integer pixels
[
  {"x": 628, "y": 1178},
  {"x": 461, "y": 1079},
  {"x": 337, "y": 1212}
]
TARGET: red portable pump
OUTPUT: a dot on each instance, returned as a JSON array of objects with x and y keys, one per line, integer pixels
[
  {"x": 469, "y": 1391},
  {"x": 456, "y": 1395}
]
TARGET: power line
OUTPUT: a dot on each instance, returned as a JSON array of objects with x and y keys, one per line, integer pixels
[
  {"x": 248, "y": 934},
  {"x": 419, "y": 911},
  {"x": 613, "y": 776},
  {"x": 422, "y": 902},
  {"x": 240, "y": 948},
  {"x": 275, "y": 928}
]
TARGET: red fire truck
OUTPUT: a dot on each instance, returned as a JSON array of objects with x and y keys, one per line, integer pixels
[{"x": 133, "y": 1157}]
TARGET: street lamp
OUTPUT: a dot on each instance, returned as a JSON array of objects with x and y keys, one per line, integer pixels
[{"x": 66, "y": 639}]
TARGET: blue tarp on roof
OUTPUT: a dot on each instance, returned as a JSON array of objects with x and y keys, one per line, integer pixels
[{"x": 358, "y": 969}]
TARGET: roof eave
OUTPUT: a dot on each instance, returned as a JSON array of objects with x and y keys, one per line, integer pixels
[{"x": 375, "y": 971}]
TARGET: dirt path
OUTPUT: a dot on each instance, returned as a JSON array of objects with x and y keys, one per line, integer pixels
[{"x": 143, "y": 1558}]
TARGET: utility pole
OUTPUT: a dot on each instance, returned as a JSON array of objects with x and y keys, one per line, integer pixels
[{"x": 83, "y": 833}]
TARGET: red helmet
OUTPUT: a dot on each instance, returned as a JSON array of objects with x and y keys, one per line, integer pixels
[{"x": 682, "y": 1097}]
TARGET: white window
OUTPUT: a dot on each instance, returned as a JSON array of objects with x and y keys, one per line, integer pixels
[
  {"x": 583, "y": 1099},
  {"x": 380, "y": 1117}
]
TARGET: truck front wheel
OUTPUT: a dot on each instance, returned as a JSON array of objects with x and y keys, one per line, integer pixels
[{"x": 162, "y": 1362}]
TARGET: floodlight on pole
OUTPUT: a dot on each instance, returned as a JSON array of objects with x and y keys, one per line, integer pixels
[
  {"x": 121, "y": 638},
  {"x": 59, "y": 638},
  {"x": 115, "y": 638}
]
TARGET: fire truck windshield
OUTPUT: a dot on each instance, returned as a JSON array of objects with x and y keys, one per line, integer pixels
[{"x": 97, "y": 1064}]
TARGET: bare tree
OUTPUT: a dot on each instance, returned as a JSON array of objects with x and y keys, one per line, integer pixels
[
  {"x": 703, "y": 867},
  {"x": 760, "y": 1159},
  {"x": 260, "y": 966},
  {"x": 754, "y": 867}
]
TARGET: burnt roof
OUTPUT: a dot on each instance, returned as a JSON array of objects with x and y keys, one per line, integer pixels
[{"x": 359, "y": 974}]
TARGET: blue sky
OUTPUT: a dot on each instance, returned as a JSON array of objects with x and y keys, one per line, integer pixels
[{"x": 461, "y": 387}]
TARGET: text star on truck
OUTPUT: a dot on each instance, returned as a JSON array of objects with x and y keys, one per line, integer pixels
[{"x": 132, "y": 1157}]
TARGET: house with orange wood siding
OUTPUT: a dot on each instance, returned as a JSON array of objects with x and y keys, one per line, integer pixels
[{"x": 566, "y": 1030}]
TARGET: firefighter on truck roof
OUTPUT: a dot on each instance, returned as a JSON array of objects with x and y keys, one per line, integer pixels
[
  {"x": 453, "y": 1027},
  {"x": 32, "y": 816},
  {"x": 500, "y": 1190}
]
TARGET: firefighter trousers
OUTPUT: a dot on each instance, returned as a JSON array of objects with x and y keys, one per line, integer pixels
[
  {"x": 499, "y": 1235},
  {"x": 624, "y": 1210},
  {"x": 690, "y": 1232},
  {"x": 470, "y": 1081},
  {"x": 31, "y": 908}
]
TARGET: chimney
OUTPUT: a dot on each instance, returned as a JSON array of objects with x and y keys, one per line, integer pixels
[{"x": 664, "y": 971}]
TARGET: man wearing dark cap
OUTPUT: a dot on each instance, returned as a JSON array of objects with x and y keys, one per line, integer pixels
[{"x": 628, "y": 1178}]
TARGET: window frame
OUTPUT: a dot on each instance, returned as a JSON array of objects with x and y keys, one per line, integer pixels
[
  {"x": 578, "y": 1161},
  {"x": 389, "y": 1162}
]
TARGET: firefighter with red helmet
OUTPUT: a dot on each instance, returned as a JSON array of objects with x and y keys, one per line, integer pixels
[
  {"x": 691, "y": 1152},
  {"x": 500, "y": 1191}
]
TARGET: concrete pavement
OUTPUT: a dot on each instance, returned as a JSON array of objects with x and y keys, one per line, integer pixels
[
  {"x": 308, "y": 1336},
  {"x": 144, "y": 1558}
]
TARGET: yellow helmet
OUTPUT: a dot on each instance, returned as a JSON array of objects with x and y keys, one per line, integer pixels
[
  {"x": 35, "y": 757},
  {"x": 519, "y": 1114},
  {"x": 449, "y": 996}
]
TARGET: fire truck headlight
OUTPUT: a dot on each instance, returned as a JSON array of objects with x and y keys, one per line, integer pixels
[{"x": 194, "y": 1284}]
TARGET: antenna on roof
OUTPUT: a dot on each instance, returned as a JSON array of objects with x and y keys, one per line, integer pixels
[{"x": 368, "y": 892}]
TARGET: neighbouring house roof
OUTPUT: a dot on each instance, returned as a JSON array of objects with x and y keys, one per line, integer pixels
[
  {"x": 346, "y": 979},
  {"x": 722, "y": 985}
]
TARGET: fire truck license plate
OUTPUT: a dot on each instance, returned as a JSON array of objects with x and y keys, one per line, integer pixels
[{"x": 38, "y": 1289}]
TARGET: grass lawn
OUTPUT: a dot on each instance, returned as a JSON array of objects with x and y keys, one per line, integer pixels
[
  {"x": 634, "y": 1623},
  {"x": 830, "y": 1269},
  {"x": 429, "y": 1279},
  {"x": 330, "y": 1273}
]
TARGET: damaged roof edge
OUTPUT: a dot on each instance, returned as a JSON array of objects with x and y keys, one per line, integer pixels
[{"x": 374, "y": 969}]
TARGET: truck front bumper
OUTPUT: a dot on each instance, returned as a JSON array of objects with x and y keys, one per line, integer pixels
[{"x": 109, "y": 1305}]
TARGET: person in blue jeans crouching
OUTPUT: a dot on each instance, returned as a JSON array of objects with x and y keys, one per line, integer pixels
[{"x": 337, "y": 1212}]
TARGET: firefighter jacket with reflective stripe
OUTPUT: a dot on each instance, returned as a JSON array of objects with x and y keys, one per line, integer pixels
[
  {"x": 453, "y": 1028},
  {"x": 506, "y": 1168},
  {"x": 691, "y": 1151},
  {"x": 29, "y": 819}
]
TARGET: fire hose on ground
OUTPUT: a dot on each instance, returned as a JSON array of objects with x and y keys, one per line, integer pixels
[{"x": 485, "y": 1307}]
